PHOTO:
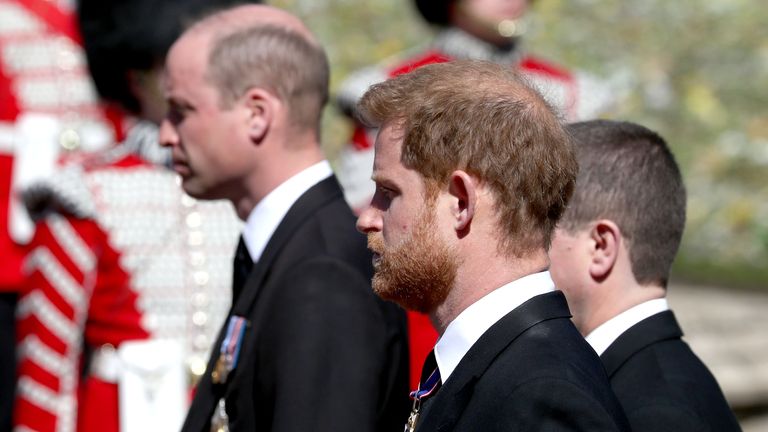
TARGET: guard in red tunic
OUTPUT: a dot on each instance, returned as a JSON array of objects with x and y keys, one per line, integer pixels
[
  {"x": 47, "y": 106},
  {"x": 127, "y": 278},
  {"x": 488, "y": 30}
]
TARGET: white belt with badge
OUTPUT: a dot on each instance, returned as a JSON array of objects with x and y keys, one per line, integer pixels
[{"x": 152, "y": 390}]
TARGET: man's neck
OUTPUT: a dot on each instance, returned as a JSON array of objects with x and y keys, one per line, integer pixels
[
  {"x": 273, "y": 173},
  {"x": 615, "y": 299},
  {"x": 606, "y": 333},
  {"x": 477, "y": 278},
  {"x": 270, "y": 211}
]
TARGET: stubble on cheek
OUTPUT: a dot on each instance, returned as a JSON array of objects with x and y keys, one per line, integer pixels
[{"x": 418, "y": 273}]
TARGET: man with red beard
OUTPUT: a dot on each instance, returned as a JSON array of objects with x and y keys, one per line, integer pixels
[
  {"x": 472, "y": 171},
  {"x": 493, "y": 30}
]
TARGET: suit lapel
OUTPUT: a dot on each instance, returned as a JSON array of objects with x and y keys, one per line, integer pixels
[
  {"x": 314, "y": 198},
  {"x": 658, "y": 327},
  {"x": 318, "y": 195},
  {"x": 448, "y": 404}
]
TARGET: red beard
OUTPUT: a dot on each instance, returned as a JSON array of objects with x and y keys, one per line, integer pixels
[{"x": 419, "y": 272}]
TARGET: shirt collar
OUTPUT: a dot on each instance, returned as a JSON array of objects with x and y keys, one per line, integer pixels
[
  {"x": 606, "y": 333},
  {"x": 270, "y": 211},
  {"x": 471, "y": 323}
]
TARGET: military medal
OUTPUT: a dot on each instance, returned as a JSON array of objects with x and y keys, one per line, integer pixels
[
  {"x": 424, "y": 391},
  {"x": 230, "y": 350},
  {"x": 220, "y": 419},
  {"x": 225, "y": 364},
  {"x": 413, "y": 418},
  {"x": 219, "y": 374}
]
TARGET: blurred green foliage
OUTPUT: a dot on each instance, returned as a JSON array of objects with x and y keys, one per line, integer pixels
[{"x": 695, "y": 71}]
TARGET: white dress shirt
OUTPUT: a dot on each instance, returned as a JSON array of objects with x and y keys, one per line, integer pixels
[
  {"x": 606, "y": 333},
  {"x": 471, "y": 323},
  {"x": 270, "y": 211}
]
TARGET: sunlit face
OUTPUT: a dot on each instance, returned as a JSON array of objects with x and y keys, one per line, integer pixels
[
  {"x": 209, "y": 142},
  {"x": 414, "y": 266}
]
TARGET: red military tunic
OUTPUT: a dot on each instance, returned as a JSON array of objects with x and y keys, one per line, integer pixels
[
  {"x": 121, "y": 254},
  {"x": 43, "y": 80}
]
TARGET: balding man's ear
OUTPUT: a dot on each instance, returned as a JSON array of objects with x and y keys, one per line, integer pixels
[
  {"x": 605, "y": 237},
  {"x": 463, "y": 190},
  {"x": 260, "y": 106}
]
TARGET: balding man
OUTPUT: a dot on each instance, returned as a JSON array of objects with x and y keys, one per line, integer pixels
[{"x": 307, "y": 346}]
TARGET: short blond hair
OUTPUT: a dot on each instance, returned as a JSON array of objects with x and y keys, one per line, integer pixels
[{"x": 278, "y": 59}]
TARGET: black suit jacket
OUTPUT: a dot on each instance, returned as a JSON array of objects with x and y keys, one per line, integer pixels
[
  {"x": 321, "y": 352},
  {"x": 661, "y": 383},
  {"x": 531, "y": 371}
]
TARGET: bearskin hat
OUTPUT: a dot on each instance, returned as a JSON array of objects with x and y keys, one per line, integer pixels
[{"x": 124, "y": 35}]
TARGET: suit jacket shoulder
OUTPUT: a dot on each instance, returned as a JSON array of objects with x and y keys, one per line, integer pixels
[
  {"x": 661, "y": 384},
  {"x": 530, "y": 371},
  {"x": 321, "y": 352}
]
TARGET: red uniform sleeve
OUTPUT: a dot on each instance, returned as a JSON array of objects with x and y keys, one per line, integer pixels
[{"x": 75, "y": 294}]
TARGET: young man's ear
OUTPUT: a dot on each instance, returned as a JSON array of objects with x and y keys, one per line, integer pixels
[
  {"x": 463, "y": 189},
  {"x": 260, "y": 106},
  {"x": 605, "y": 239}
]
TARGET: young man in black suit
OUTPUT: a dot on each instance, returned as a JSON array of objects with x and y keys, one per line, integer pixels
[
  {"x": 307, "y": 345},
  {"x": 611, "y": 255},
  {"x": 472, "y": 171}
]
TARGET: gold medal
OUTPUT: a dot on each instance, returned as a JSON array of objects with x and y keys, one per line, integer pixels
[
  {"x": 413, "y": 418},
  {"x": 220, "y": 371}
]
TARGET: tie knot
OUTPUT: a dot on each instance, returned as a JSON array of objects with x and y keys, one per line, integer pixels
[
  {"x": 243, "y": 264},
  {"x": 242, "y": 256}
]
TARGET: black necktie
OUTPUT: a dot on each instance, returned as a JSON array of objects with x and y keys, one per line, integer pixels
[{"x": 243, "y": 265}]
